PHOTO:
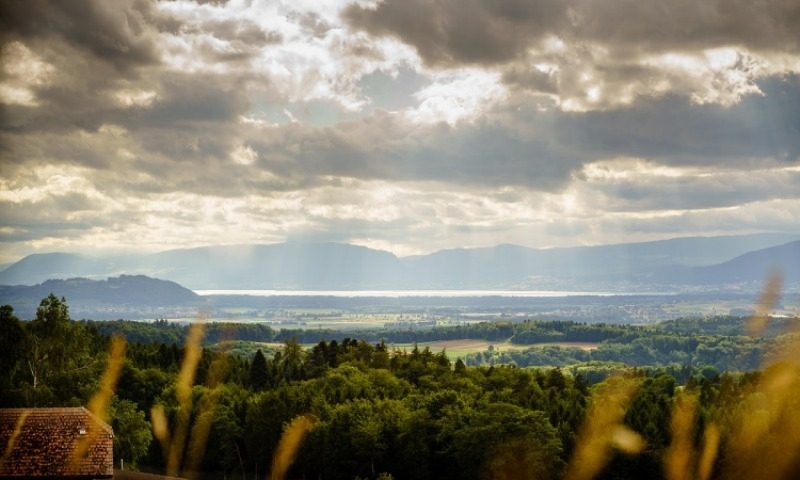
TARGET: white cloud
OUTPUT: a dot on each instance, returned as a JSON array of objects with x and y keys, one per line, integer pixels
[
  {"x": 244, "y": 155},
  {"x": 454, "y": 96},
  {"x": 22, "y": 71}
]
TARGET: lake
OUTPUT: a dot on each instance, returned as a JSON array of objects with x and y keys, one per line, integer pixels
[{"x": 413, "y": 293}]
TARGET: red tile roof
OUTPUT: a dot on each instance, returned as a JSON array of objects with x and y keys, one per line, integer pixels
[{"x": 54, "y": 442}]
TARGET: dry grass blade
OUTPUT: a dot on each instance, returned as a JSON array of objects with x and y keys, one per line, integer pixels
[
  {"x": 158, "y": 420},
  {"x": 289, "y": 445},
  {"x": 679, "y": 458},
  {"x": 183, "y": 391},
  {"x": 13, "y": 439},
  {"x": 758, "y": 323},
  {"x": 626, "y": 440},
  {"x": 603, "y": 429},
  {"x": 100, "y": 401},
  {"x": 768, "y": 426},
  {"x": 202, "y": 426},
  {"x": 709, "y": 452}
]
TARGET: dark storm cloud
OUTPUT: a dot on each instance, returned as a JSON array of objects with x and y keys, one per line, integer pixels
[
  {"x": 92, "y": 48},
  {"x": 192, "y": 98},
  {"x": 462, "y": 31},
  {"x": 211, "y": 2},
  {"x": 101, "y": 48},
  {"x": 65, "y": 216},
  {"x": 533, "y": 80},
  {"x": 185, "y": 117},
  {"x": 384, "y": 148},
  {"x": 688, "y": 24},
  {"x": 67, "y": 105},
  {"x": 699, "y": 192},
  {"x": 674, "y": 130},
  {"x": 119, "y": 33},
  {"x": 616, "y": 49},
  {"x": 452, "y": 32}
]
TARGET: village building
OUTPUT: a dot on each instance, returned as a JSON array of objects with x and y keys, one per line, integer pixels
[{"x": 55, "y": 443}]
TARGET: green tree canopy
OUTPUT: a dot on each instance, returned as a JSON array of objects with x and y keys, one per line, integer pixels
[
  {"x": 259, "y": 374},
  {"x": 132, "y": 433}
]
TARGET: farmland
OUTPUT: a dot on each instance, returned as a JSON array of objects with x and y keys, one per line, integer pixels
[
  {"x": 357, "y": 311},
  {"x": 461, "y": 348}
]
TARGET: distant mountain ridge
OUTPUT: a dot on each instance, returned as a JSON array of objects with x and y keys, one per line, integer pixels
[
  {"x": 749, "y": 267},
  {"x": 335, "y": 266}
]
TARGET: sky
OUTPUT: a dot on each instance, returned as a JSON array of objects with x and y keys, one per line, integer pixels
[{"x": 403, "y": 125}]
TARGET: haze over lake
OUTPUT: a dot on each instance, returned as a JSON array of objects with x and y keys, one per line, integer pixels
[{"x": 415, "y": 293}]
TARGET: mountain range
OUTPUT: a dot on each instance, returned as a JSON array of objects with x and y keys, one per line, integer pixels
[{"x": 667, "y": 264}]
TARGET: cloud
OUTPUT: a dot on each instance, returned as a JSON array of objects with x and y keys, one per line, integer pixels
[
  {"x": 411, "y": 125},
  {"x": 451, "y": 32},
  {"x": 454, "y": 32},
  {"x": 595, "y": 55},
  {"x": 121, "y": 34},
  {"x": 676, "y": 130},
  {"x": 189, "y": 137},
  {"x": 634, "y": 186},
  {"x": 685, "y": 25}
]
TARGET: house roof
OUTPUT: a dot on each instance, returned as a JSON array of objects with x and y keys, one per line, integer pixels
[{"x": 54, "y": 442}]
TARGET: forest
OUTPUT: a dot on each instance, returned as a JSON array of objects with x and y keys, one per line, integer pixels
[{"x": 691, "y": 398}]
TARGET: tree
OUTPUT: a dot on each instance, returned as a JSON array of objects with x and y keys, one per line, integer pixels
[
  {"x": 259, "y": 374},
  {"x": 292, "y": 361},
  {"x": 503, "y": 441},
  {"x": 132, "y": 433},
  {"x": 225, "y": 447},
  {"x": 353, "y": 440},
  {"x": 52, "y": 312},
  {"x": 47, "y": 337},
  {"x": 59, "y": 355},
  {"x": 460, "y": 368},
  {"x": 12, "y": 338}
]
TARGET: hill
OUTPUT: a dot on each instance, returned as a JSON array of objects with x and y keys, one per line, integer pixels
[
  {"x": 595, "y": 267},
  {"x": 126, "y": 295},
  {"x": 747, "y": 268}
]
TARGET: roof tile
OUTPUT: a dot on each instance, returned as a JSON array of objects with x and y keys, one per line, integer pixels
[{"x": 54, "y": 442}]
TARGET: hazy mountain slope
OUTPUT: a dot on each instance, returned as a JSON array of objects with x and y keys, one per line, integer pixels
[
  {"x": 119, "y": 294},
  {"x": 749, "y": 267},
  {"x": 285, "y": 266},
  {"x": 501, "y": 266},
  {"x": 37, "y": 268},
  {"x": 510, "y": 265}
]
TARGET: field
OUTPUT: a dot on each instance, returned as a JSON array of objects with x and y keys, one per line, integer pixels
[
  {"x": 454, "y": 348},
  {"x": 460, "y": 348}
]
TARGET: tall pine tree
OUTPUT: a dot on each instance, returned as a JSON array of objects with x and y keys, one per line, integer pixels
[{"x": 259, "y": 375}]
